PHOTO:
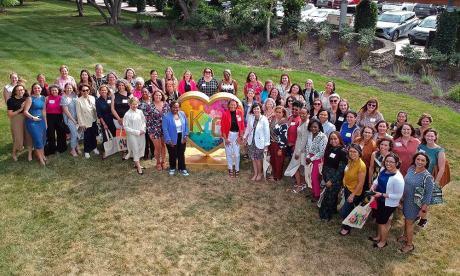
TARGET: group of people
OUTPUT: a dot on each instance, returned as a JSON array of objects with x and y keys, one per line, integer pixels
[{"x": 311, "y": 136}]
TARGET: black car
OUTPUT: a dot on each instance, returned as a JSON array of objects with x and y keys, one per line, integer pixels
[{"x": 424, "y": 10}]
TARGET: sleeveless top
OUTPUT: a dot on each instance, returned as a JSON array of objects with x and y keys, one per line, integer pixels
[{"x": 228, "y": 87}]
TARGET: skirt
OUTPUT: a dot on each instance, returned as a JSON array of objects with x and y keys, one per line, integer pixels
[
  {"x": 19, "y": 132},
  {"x": 255, "y": 153}
]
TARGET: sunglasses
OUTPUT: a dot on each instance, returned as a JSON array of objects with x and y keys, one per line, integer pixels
[
  {"x": 207, "y": 72},
  {"x": 316, "y": 104},
  {"x": 290, "y": 101},
  {"x": 334, "y": 101},
  {"x": 85, "y": 90},
  {"x": 372, "y": 104}
]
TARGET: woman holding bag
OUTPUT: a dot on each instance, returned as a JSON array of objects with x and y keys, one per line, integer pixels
[{"x": 134, "y": 124}]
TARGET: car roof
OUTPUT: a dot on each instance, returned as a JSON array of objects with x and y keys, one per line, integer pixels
[{"x": 398, "y": 12}]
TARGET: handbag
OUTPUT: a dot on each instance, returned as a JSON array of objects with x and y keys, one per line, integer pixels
[
  {"x": 436, "y": 196},
  {"x": 321, "y": 196},
  {"x": 445, "y": 179},
  {"x": 358, "y": 217},
  {"x": 111, "y": 145},
  {"x": 122, "y": 141}
]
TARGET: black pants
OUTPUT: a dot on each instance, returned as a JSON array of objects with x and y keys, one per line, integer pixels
[
  {"x": 55, "y": 134},
  {"x": 329, "y": 203},
  {"x": 89, "y": 137},
  {"x": 177, "y": 153},
  {"x": 149, "y": 147}
]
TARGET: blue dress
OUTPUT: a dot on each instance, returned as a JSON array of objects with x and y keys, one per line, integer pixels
[
  {"x": 37, "y": 129},
  {"x": 413, "y": 180}
]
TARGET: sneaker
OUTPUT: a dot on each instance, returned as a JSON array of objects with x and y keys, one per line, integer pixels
[
  {"x": 184, "y": 173},
  {"x": 172, "y": 172},
  {"x": 87, "y": 156},
  {"x": 423, "y": 223},
  {"x": 96, "y": 151}
]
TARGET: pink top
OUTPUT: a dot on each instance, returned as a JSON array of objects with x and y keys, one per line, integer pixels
[
  {"x": 62, "y": 82},
  {"x": 137, "y": 94},
  {"x": 53, "y": 105},
  {"x": 405, "y": 152},
  {"x": 181, "y": 86}
]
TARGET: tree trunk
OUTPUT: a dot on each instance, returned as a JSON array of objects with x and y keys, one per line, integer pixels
[
  {"x": 184, "y": 8},
  {"x": 79, "y": 7},
  {"x": 106, "y": 18},
  {"x": 343, "y": 14},
  {"x": 21, "y": 2},
  {"x": 269, "y": 18}
]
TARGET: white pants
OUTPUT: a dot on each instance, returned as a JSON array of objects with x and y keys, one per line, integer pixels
[{"x": 232, "y": 151}]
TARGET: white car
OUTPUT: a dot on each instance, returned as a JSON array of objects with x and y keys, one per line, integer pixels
[
  {"x": 320, "y": 15},
  {"x": 398, "y": 7},
  {"x": 306, "y": 11}
]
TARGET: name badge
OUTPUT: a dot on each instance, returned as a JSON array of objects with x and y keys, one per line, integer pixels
[
  {"x": 398, "y": 144},
  {"x": 372, "y": 120},
  {"x": 51, "y": 101},
  {"x": 340, "y": 119},
  {"x": 292, "y": 123},
  {"x": 124, "y": 101},
  {"x": 203, "y": 85},
  {"x": 421, "y": 151},
  {"x": 332, "y": 155},
  {"x": 348, "y": 134},
  {"x": 238, "y": 118},
  {"x": 109, "y": 101}
]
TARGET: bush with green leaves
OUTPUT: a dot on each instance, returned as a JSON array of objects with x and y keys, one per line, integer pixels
[
  {"x": 346, "y": 37},
  {"x": 412, "y": 57},
  {"x": 365, "y": 43},
  {"x": 437, "y": 59},
  {"x": 446, "y": 32},
  {"x": 291, "y": 19},
  {"x": 454, "y": 93},
  {"x": 172, "y": 11},
  {"x": 161, "y": 4},
  {"x": 207, "y": 16},
  {"x": 324, "y": 33},
  {"x": 366, "y": 15},
  {"x": 140, "y": 5},
  {"x": 244, "y": 19},
  {"x": 7, "y": 3}
]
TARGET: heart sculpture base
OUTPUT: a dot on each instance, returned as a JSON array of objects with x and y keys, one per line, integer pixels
[{"x": 195, "y": 159}]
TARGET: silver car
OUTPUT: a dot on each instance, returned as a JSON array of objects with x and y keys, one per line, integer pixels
[
  {"x": 420, "y": 33},
  {"x": 395, "y": 24}
]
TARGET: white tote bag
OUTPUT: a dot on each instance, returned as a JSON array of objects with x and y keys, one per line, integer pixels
[{"x": 111, "y": 145}]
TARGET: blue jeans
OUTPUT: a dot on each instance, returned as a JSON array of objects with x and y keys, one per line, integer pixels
[{"x": 348, "y": 207}]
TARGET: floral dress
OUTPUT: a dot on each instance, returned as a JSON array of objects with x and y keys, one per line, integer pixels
[{"x": 154, "y": 119}]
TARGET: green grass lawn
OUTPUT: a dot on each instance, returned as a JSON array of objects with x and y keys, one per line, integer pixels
[{"x": 99, "y": 217}]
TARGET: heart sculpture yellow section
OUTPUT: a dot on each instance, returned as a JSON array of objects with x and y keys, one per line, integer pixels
[{"x": 204, "y": 114}]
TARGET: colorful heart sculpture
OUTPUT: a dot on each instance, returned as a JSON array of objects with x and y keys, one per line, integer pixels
[{"x": 204, "y": 114}]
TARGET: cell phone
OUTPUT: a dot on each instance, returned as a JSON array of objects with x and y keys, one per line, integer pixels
[{"x": 370, "y": 193}]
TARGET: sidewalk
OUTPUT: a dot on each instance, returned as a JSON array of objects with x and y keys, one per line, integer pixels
[{"x": 149, "y": 10}]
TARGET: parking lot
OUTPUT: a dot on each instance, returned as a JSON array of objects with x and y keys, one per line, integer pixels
[{"x": 400, "y": 43}]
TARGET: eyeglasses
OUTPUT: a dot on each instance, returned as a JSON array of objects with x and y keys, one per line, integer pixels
[
  {"x": 290, "y": 101},
  {"x": 316, "y": 104},
  {"x": 333, "y": 101},
  {"x": 372, "y": 104},
  {"x": 85, "y": 90},
  {"x": 207, "y": 72}
]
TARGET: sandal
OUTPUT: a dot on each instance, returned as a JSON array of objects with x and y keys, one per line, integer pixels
[
  {"x": 230, "y": 173},
  {"x": 402, "y": 239},
  {"x": 372, "y": 239},
  {"x": 159, "y": 167},
  {"x": 376, "y": 245},
  {"x": 401, "y": 250},
  {"x": 344, "y": 233},
  {"x": 236, "y": 174}
]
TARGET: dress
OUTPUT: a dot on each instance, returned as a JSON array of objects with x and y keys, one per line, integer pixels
[
  {"x": 19, "y": 133},
  {"x": 432, "y": 154},
  {"x": 253, "y": 151},
  {"x": 37, "y": 129},
  {"x": 134, "y": 123},
  {"x": 405, "y": 152},
  {"x": 413, "y": 180},
  {"x": 154, "y": 119},
  {"x": 70, "y": 103}
]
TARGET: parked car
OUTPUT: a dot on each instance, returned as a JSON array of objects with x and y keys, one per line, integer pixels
[
  {"x": 424, "y": 10},
  {"x": 335, "y": 4},
  {"x": 306, "y": 11},
  {"x": 395, "y": 24},
  {"x": 397, "y": 6},
  {"x": 320, "y": 15},
  {"x": 420, "y": 33},
  {"x": 322, "y": 3}
]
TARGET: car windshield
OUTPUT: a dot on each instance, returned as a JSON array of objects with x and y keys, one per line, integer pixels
[
  {"x": 307, "y": 8},
  {"x": 319, "y": 14},
  {"x": 391, "y": 18},
  {"x": 428, "y": 23}
]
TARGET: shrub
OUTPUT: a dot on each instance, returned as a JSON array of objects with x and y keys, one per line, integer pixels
[
  {"x": 324, "y": 31},
  {"x": 453, "y": 66},
  {"x": 291, "y": 17},
  {"x": 446, "y": 32},
  {"x": 345, "y": 65},
  {"x": 365, "y": 43},
  {"x": 454, "y": 93},
  {"x": 140, "y": 5},
  {"x": 366, "y": 15},
  {"x": 404, "y": 78},
  {"x": 437, "y": 58},
  {"x": 207, "y": 16},
  {"x": 173, "y": 40},
  {"x": 172, "y": 11},
  {"x": 425, "y": 79},
  {"x": 412, "y": 57},
  {"x": 7, "y": 3},
  {"x": 346, "y": 36},
  {"x": 160, "y": 5},
  {"x": 277, "y": 53},
  {"x": 213, "y": 53},
  {"x": 437, "y": 90},
  {"x": 243, "y": 20},
  {"x": 242, "y": 48}
]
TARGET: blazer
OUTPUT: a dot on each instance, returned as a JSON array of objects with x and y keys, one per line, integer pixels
[
  {"x": 181, "y": 86},
  {"x": 169, "y": 127},
  {"x": 395, "y": 189},
  {"x": 226, "y": 121},
  {"x": 262, "y": 132},
  {"x": 86, "y": 111}
]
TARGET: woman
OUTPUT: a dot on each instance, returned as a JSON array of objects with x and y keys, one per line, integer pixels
[
  {"x": 86, "y": 113},
  {"x": 350, "y": 129},
  {"x": 8, "y": 89},
  {"x": 145, "y": 104},
  {"x": 314, "y": 152},
  {"x": 257, "y": 137},
  {"x": 294, "y": 121},
  {"x": 119, "y": 105},
  {"x": 253, "y": 83},
  {"x": 112, "y": 82},
  {"x": 267, "y": 88},
  {"x": 294, "y": 92},
  {"x": 317, "y": 106},
  {"x": 324, "y": 95},
  {"x": 288, "y": 106},
  {"x": 228, "y": 84},
  {"x": 344, "y": 107},
  {"x": 187, "y": 83},
  {"x": 248, "y": 102},
  {"x": 137, "y": 91},
  {"x": 208, "y": 84},
  {"x": 69, "y": 109},
  {"x": 98, "y": 77},
  {"x": 381, "y": 130},
  {"x": 417, "y": 178},
  {"x": 64, "y": 78},
  {"x": 437, "y": 158},
  {"x": 353, "y": 182},
  {"x": 328, "y": 127},
  {"x": 389, "y": 189},
  {"x": 35, "y": 111},
  {"x": 367, "y": 144},
  {"x": 278, "y": 142},
  {"x": 134, "y": 124},
  {"x": 400, "y": 119},
  {"x": 424, "y": 122},
  {"x": 232, "y": 130},
  {"x": 171, "y": 92},
  {"x": 55, "y": 132},
  {"x": 43, "y": 84},
  {"x": 155, "y": 113},
  {"x": 269, "y": 108},
  {"x": 154, "y": 84},
  {"x": 285, "y": 85},
  {"x": 384, "y": 147},
  {"x": 130, "y": 77},
  {"x": 175, "y": 130},
  {"x": 369, "y": 114},
  {"x": 15, "y": 106},
  {"x": 275, "y": 95},
  {"x": 334, "y": 100},
  {"x": 104, "y": 112},
  {"x": 309, "y": 93},
  {"x": 298, "y": 158},
  {"x": 85, "y": 78},
  {"x": 335, "y": 161},
  {"x": 405, "y": 145},
  {"x": 169, "y": 76}
]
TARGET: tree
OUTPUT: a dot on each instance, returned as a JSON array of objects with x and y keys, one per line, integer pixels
[
  {"x": 291, "y": 19},
  {"x": 79, "y": 7},
  {"x": 188, "y": 7},
  {"x": 446, "y": 32},
  {"x": 7, "y": 3},
  {"x": 113, "y": 8},
  {"x": 366, "y": 15}
]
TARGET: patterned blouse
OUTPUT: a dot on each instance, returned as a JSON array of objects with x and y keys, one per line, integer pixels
[
  {"x": 209, "y": 88},
  {"x": 154, "y": 118},
  {"x": 316, "y": 146},
  {"x": 278, "y": 133},
  {"x": 368, "y": 120}
]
